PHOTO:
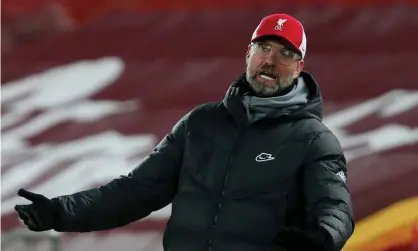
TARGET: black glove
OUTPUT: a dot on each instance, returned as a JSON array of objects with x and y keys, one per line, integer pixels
[
  {"x": 295, "y": 239},
  {"x": 38, "y": 216}
]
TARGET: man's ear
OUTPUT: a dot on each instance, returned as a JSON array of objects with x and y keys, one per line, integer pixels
[
  {"x": 299, "y": 68},
  {"x": 247, "y": 55}
]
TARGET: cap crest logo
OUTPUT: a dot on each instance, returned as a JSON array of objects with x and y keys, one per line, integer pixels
[{"x": 280, "y": 24}]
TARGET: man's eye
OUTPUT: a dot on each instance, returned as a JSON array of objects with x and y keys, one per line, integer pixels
[
  {"x": 287, "y": 53},
  {"x": 264, "y": 47}
]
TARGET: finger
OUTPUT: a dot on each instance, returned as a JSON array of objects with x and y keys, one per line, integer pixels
[
  {"x": 22, "y": 212},
  {"x": 26, "y": 215},
  {"x": 34, "y": 218},
  {"x": 29, "y": 195},
  {"x": 34, "y": 228},
  {"x": 31, "y": 225}
]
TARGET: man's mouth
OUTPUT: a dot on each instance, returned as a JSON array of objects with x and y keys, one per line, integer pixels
[{"x": 267, "y": 75}]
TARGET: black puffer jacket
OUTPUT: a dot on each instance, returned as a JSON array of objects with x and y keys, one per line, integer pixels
[{"x": 233, "y": 178}]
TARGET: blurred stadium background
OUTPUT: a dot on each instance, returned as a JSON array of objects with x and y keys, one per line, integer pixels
[{"x": 89, "y": 87}]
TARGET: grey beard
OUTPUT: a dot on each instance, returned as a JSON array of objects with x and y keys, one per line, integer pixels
[{"x": 262, "y": 90}]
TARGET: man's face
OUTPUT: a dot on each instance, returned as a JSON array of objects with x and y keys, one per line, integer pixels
[{"x": 271, "y": 66}]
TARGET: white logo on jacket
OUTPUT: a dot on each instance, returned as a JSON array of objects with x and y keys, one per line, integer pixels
[{"x": 264, "y": 157}]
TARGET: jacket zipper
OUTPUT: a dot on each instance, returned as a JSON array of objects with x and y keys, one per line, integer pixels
[
  {"x": 285, "y": 220},
  {"x": 231, "y": 162},
  {"x": 249, "y": 101}
]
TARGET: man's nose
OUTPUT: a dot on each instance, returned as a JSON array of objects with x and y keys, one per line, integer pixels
[{"x": 271, "y": 58}]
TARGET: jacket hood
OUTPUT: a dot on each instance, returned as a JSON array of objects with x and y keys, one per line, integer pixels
[{"x": 303, "y": 101}]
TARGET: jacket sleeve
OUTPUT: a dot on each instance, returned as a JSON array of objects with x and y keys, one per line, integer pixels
[
  {"x": 328, "y": 200},
  {"x": 149, "y": 187}
]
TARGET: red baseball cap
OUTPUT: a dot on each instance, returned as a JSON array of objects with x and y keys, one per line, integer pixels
[{"x": 283, "y": 26}]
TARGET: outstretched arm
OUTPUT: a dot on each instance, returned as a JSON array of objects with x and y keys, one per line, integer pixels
[{"x": 149, "y": 187}]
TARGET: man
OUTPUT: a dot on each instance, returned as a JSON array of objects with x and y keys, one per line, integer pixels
[{"x": 258, "y": 171}]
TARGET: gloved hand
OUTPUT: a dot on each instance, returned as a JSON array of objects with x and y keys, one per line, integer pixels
[
  {"x": 295, "y": 239},
  {"x": 38, "y": 216}
]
